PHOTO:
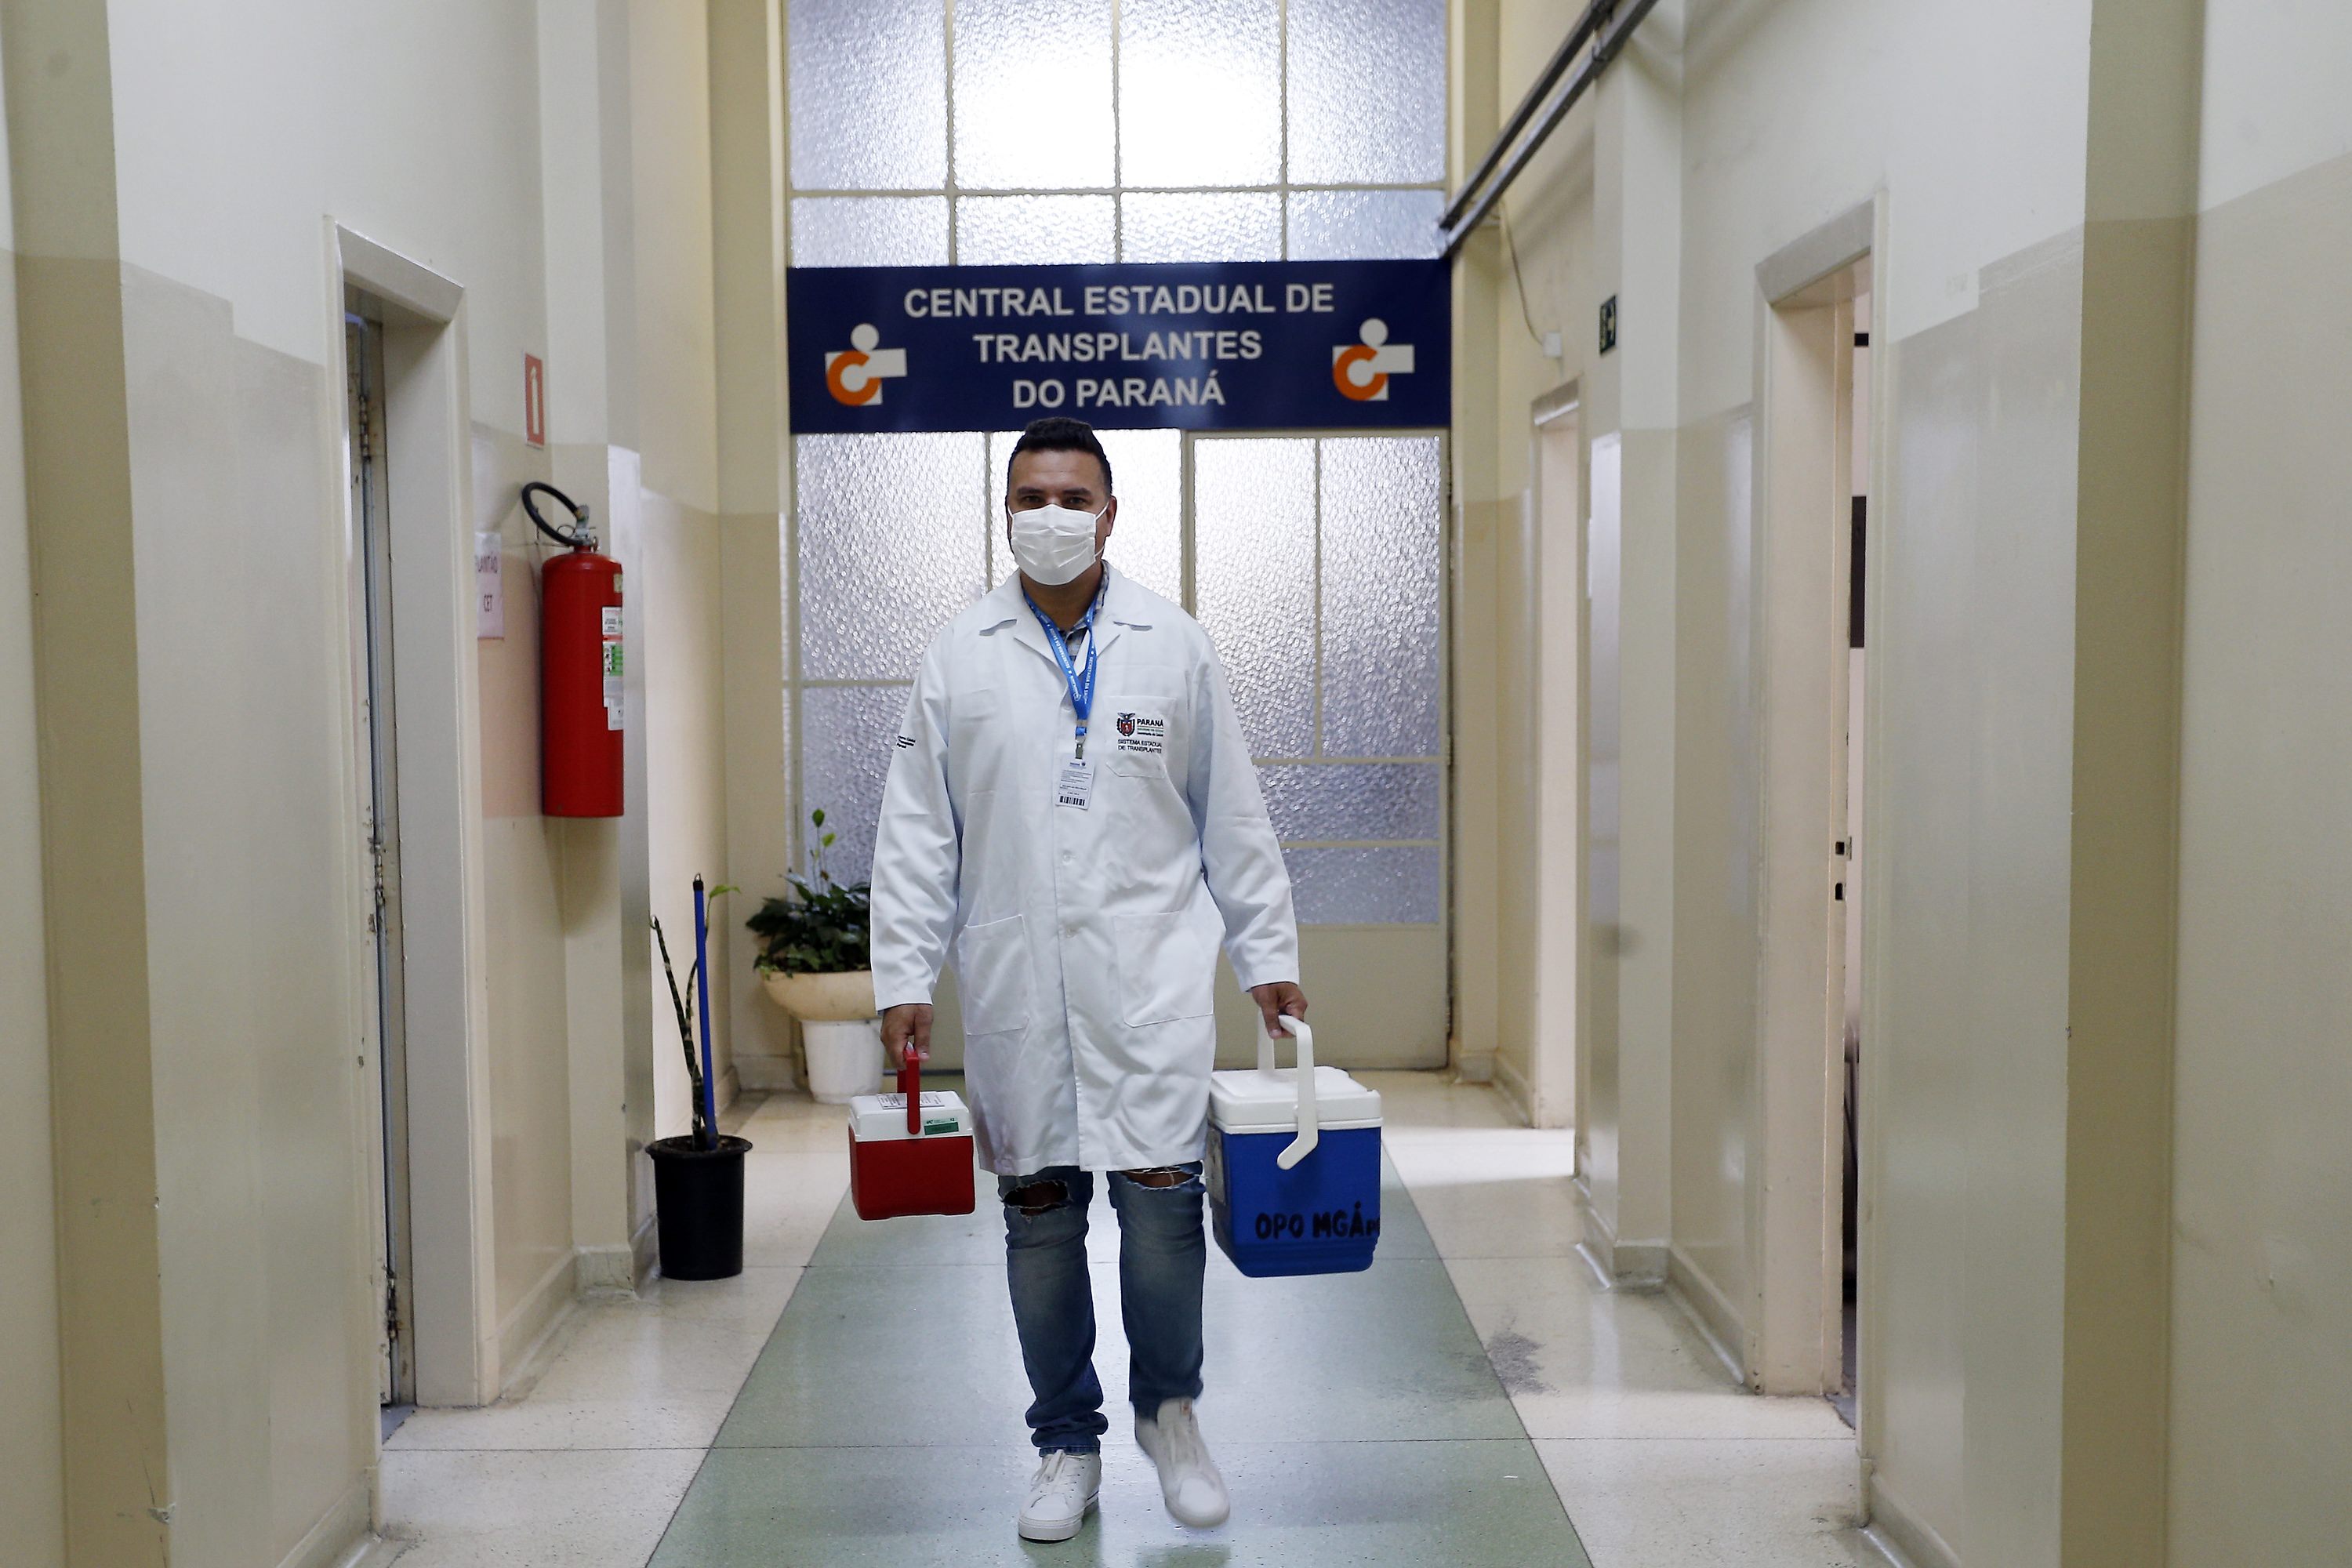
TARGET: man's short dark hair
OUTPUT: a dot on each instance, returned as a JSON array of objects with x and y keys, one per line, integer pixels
[{"x": 1058, "y": 433}]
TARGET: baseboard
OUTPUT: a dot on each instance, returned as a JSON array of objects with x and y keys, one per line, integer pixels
[
  {"x": 607, "y": 1270},
  {"x": 1898, "y": 1535},
  {"x": 1695, "y": 1291},
  {"x": 1474, "y": 1067},
  {"x": 345, "y": 1533},
  {"x": 540, "y": 1312},
  {"x": 1624, "y": 1265},
  {"x": 764, "y": 1074},
  {"x": 731, "y": 1087},
  {"x": 378, "y": 1551},
  {"x": 1513, "y": 1085}
]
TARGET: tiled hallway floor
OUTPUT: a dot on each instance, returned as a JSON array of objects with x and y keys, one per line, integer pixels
[{"x": 854, "y": 1397}]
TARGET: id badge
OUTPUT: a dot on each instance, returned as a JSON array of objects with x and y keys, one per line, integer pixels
[{"x": 1075, "y": 786}]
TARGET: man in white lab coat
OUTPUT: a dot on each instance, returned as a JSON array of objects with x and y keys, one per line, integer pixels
[{"x": 1072, "y": 814}]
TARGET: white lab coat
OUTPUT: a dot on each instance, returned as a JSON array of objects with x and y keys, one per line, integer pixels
[{"x": 1085, "y": 942}]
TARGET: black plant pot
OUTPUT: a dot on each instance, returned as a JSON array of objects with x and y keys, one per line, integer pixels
[{"x": 698, "y": 1204}]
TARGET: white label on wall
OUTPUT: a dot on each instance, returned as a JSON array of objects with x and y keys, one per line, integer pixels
[{"x": 489, "y": 586}]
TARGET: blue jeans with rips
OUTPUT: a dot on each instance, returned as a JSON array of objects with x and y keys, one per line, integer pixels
[{"x": 1162, "y": 1257}]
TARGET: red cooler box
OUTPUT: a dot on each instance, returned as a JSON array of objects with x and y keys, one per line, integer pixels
[{"x": 910, "y": 1152}]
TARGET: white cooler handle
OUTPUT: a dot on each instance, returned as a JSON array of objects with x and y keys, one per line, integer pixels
[{"x": 1309, "y": 1122}]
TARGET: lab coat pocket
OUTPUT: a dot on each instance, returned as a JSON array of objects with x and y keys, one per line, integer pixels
[
  {"x": 1139, "y": 737},
  {"x": 992, "y": 975},
  {"x": 1165, "y": 970}
]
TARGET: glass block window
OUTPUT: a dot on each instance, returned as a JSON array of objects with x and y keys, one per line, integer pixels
[
  {"x": 867, "y": 86},
  {"x": 1200, "y": 97},
  {"x": 1378, "y": 225},
  {"x": 1253, "y": 520},
  {"x": 889, "y": 550},
  {"x": 1367, "y": 99},
  {"x": 869, "y": 231},
  {"x": 1210, "y": 130},
  {"x": 994, "y": 132},
  {"x": 845, "y": 756},
  {"x": 1318, "y": 570},
  {"x": 1036, "y": 230},
  {"x": 1032, "y": 95},
  {"x": 1201, "y": 226}
]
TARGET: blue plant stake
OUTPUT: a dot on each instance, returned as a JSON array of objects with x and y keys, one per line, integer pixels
[{"x": 702, "y": 1003}]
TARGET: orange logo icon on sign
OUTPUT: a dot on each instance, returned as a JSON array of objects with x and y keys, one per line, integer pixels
[
  {"x": 1361, "y": 370},
  {"x": 854, "y": 375}
]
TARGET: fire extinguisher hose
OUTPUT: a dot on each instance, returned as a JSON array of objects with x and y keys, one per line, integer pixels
[{"x": 580, "y": 537}]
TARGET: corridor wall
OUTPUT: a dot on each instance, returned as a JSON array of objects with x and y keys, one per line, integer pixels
[
  {"x": 206, "y": 955},
  {"x": 32, "y": 1506},
  {"x": 2261, "y": 1174},
  {"x": 1727, "y": 135},
  {"x": 2061, "y": 1117}
]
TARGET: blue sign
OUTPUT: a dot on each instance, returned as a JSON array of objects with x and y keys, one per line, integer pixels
[{"x": 1247, "y": 346}]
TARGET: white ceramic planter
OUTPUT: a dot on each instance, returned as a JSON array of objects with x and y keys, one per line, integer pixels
[
  {"x": 839, "y": 1032},
  {"x": 844, "y": 1057},
  {"x": 839, "y": 997}
]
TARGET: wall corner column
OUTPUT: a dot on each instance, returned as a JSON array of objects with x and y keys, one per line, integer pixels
[{"x": 2139, "y": 234}]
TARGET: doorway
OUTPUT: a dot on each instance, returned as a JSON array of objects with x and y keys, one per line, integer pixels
[
  {"x": 1808, "y": 1318},
  {"x": 1846, "y": 906},
  {"x": 375, "y": 709},
  {"x": 420, "y": 1001},
  {"x": 1551, "y": 712}
]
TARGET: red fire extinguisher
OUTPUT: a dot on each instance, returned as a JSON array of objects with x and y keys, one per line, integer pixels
[{"x": 582, "y": 711}]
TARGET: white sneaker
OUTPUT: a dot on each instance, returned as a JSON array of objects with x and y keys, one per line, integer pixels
[
  {"x": 1189, "y": 1481},
  {"x": 1061, "y": 1494}
]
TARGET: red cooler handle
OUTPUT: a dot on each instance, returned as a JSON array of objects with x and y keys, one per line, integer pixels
[{"x": 910, "y": 1084}]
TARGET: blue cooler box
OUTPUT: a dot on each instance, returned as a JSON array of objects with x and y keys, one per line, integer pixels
[{"x": 1293, "y": 1178}]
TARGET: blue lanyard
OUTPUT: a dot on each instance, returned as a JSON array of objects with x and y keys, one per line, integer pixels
[{"x": 1082, "y": 689}]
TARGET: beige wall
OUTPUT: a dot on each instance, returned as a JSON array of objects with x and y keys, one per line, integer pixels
[
  {"x": 192, "y": 162},
  {"x": 2261, "y": 1355},
  {"x": 1749, "y": 128},
  {"x": 686, "y": 782},
  {"x": 2025, "y": 1129},
  {"x": 32, "y": 1507},
  {"x": 528, "y": 1044},
  {"x": 747, "y": 146},
  {"x": 685, "y": 679}
]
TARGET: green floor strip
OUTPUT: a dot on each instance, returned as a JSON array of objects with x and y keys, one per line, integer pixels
[{"x": 1355, "y": 1417}]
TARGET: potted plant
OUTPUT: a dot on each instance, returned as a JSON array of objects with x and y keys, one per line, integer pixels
[
  {"x": 698, "y": 1177},
  {"x": 816, "y": 960}
]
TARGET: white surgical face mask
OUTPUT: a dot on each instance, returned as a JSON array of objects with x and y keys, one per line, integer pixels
[{"x": 1055, "y": 545}]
